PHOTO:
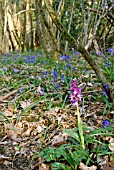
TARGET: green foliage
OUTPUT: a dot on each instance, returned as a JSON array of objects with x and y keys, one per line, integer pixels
[
  {"x": 108, "y": 69},
  {"x": 71, "y": 154},
  {"x": 68, "y": 156}
]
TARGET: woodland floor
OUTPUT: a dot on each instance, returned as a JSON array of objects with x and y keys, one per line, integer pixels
[{"x": 35, "y": 107}]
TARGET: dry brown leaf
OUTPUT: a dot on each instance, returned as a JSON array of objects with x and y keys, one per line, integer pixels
[
  {"x": 13, "y": 131},
  {"x": 8, "y": 113},
  {"x": 108, "y": 168},
  {"x": 59, "y": 139},
  {"x": 111, "y": 145},
  {"x": 84, "y": 167},
  {"x": 43, "y": 167},
  {"x": 24, "y": 104}
]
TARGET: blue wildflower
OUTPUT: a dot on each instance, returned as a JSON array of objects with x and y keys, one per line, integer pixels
[
  {"x": 32, "y": 59},
  {"x": 54, "y": 72},
  {"x": 72, "y": 49},
  {"x": 63, "y": 57},
  {"x": 63, "y": 78},
  {"x": 107, "y": 65},
  {"x": 45, "y": 72},
  {"x": 41, "y": 76},
  {"x": 38, "y": 55},
  {"x": 26, "y": 60},
  {"x": 85, "y": 71},
  {"x": 98, "y": 53},
  {"x": 111, "y": 50},
  {"x": 57, "y": 86},
  {"x": 106, "y": 123},
  {"x": 3, "y": 60},
  {"x": 104, "y": 93},
  {"x": 90, "y": 52},
  {"x": 73, "y": 68},
  {"x": 44, "y": 62},
  {"x": 21, "y": 90},
  {"x": 105, "y": 86},
  {"x": 76, "y": 53},
  {"x": 15, "y": 70}
]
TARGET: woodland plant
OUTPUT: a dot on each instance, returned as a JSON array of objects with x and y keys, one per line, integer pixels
[
  {"x": 83, "y": 144},
  {"x": 68, "y": 156}
]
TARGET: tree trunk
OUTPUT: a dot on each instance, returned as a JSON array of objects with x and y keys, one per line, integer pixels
[
  {"x": 83, "y": 51},
  {"x": 28, "y": 26},
  {"x": 45, "y": 30}
]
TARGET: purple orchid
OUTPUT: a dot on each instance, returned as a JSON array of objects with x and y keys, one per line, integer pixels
[{"x": 75, "y": 92}]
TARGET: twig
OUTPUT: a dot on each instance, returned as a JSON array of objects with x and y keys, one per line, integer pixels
[{"x": 8, "y": 95}]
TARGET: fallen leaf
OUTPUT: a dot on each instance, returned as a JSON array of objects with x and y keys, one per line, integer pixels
[
  {"x": 24, "y": 105},
  {"x": 111, "y": 145},
  {"x": 84, "y": 167}
]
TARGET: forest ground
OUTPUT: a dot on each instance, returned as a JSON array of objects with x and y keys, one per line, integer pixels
[{"x": 35, "y": 107}]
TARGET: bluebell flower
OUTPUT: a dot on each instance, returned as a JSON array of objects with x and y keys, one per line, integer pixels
[
  {"x": 105, "y": 58},
  {"x": 98, "y": 53},
  {"x": 41, "y": 76},
  {"x": 70, "y": 56},
  {"x": 76, "y": 53},
  {"x": 57, "y": 86},
  {"x": 63, "y": 78},
  {"x": 3, "y": 60},
  {"x": 54, "y": 72},
  {"x": 38, "y": 55},
  {"x": 105, "y": 86},
  {"x": 110, "y": 63},
  {"x": 15, "y": 70},
  {"x": 21, "y": 90},
  {"x": 26, "y": 60},
  {"x": 49, "y": 55},
  {"x": 90, "y": 52},
  {"x": 73, "y": 68},
  {"x": 44, "y": 62},
  {"x": 64, "y": 57},
  {"x": 5, "y": 68},
  {"x": 85, "y": 71},
  {"x": 72, "y": 49},
  {"x": 111, "y": 50},
  {"x": 45, "y": 72},
  {"x": 32, "y": 59},
  {"x": 104, "y": 93},
  {"x": 5, "y": 55},
  {"x": 106, "y": 123},
  {"x": 107, "y": 65}
]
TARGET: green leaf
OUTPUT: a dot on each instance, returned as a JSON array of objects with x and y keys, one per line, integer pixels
[
  {"x": 73, "y": 134},
  {"x": 6, "y": 118},
  {"x": 59, "y": 166}
]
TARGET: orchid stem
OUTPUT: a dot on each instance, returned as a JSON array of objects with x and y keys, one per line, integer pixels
[{"x": 80, "y": 129}]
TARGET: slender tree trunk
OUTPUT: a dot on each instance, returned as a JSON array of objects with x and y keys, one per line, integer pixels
[
  {"x": 11, "y": 30},
  {"x": 1, "y": 28},
  {"x": 45, "y": 30},
  {"x": 28, "y": 26},
  {"x": 5, "y": 38}
]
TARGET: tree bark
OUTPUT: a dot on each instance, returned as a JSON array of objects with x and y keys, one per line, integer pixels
[
  {"x": 45, "y": 30},
  {"x": 98, "y": 72},
  {"x": 28, "y": 26}
]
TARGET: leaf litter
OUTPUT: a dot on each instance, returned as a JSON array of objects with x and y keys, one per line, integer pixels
[{"x": 34, "y": 112}]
